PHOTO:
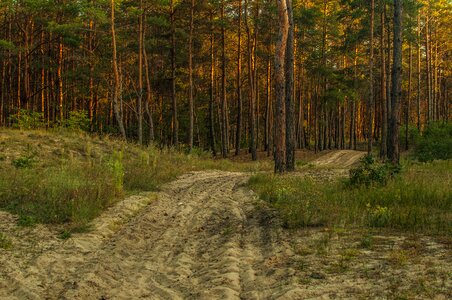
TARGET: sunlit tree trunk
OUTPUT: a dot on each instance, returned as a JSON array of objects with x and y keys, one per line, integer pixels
[
  {"x": 370, "y": 103},
  {"x": 212, "y": 89},
  {"x": 224, "y": 107},
  {"x": 252, "y": 112},
  {"x": 383, "y": 92},
  {"x": 190, "y": 78},
  {"x": 238, "y": 134},
  {"x": 116, "y": 90}
]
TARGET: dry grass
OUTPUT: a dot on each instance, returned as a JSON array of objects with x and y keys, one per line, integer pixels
[{"x": 70, "y": 177}]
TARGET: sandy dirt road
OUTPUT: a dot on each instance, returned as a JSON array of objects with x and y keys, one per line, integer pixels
[{"x": 206, "y": 236}]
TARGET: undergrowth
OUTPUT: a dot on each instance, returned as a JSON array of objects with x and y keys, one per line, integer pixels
[
  {"x": 419, "y": 199},
  {"x": 69, "y": 177}
]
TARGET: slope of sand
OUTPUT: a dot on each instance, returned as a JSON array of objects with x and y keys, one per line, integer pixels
[{"x": 206, "y": 236}]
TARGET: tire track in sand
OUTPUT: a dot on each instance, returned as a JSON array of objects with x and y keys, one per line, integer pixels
[{"x": 205, "y": 237}]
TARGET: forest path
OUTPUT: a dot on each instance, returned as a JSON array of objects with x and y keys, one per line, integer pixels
[{"x": 203, "y": 236}]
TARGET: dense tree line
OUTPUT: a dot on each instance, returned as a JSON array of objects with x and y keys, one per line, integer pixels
[{"x": 210, "y": 73}]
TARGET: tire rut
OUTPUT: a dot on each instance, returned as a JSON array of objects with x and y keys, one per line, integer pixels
[{"x": 205, "y": 237}]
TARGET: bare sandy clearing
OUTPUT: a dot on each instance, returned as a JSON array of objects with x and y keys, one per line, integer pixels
[{"x": 206, "y": 236}]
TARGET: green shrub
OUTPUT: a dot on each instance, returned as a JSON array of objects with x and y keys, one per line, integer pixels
[
  {"x": 435, "y": 143},
  {"x": 378, "y": 216},
  {"x": 371, "y": 172},
  {"x": 413, "y": 136},
  {"x": 23, "y": 162},
  {"x": 27, "y": 120},
  {"x": 78, "y": 120}
]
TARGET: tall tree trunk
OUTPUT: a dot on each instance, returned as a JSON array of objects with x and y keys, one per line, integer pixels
[
  {"x": 91, "y": 71},
  {"x": 224, "y": 107},
  {"x": 140, "y": 76},
  {"x": 116, "y": 90},
  {"x": 148, "y": 104},
  {"x": 427, "y": 62},
  {"x": 212, "y": 89},
  {"x": 60, "y": 80},
  {"x": 173, "y": 77},
  {"x": 370, "y": 104},
  {"x": 252, "y": 117},
  {"x": 190, "y": 78},
  {"x": 383, "y": 92},
  {"x": 289, "y": 90},
  {"x": 408, "y": 99},
  {"x": 280, "y": 126},
  {"x": 396, "y": 91},
  {"x": 238, "y": 133},
  {"x": 352, "y": 143},
  {"x": 419, "y": 72},
  {"x": 43, "y": 78},
  {"x": 268, "y": 109}
]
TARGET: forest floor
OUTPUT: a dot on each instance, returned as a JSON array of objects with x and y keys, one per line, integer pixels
[{"x": 207, "y": 236}]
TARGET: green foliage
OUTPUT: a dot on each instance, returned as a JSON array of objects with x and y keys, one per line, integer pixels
[
  {"x": 6, "y": 45},
  {"x": 117, "y": 170},
  {"x": 71, "y": 192},
  {"x": 417, "y": 200},
  {"x": 435, "y": 143},
  {"x": 23, "y": 162},
  {"x": 378, "y": 216},
  {"x": 367, "y": 242},
  {"x": 27, "y": 120},
  {"x": 76, "y": 176},
  {"x": 413, "y": 135},
  {"x": 298, "y": 200},
  {"x": 78, "y": 120},
  {"x": 371, "y": 172}
]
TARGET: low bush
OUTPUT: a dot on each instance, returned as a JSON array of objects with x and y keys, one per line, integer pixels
[
  {"x": 77, "y": 120},
  {"x": 435, "y": 143},
  {"x": 370, "y": 172},
  {"x": 27, "y": 119}
]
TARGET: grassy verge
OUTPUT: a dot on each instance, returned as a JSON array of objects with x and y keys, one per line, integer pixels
[
  {"x": 63, "y": 177},
  {"x": 418, "y": 200}
]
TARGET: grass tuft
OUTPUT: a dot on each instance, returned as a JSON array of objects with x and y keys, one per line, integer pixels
[{"x": 420, "y": 199}]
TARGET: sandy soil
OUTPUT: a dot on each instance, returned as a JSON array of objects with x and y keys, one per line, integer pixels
[{"x": 206, "y": 236}]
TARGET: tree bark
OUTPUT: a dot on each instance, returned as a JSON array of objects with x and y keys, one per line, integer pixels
[
  {"x": 238, "y": 133},
  {"x": 190, "y": 78},
  {"x": 212, "y": 89},
  {"x": 280, "y": 116},
  {"x": 371, "y": 79},
  {"x": 224, "y": 107},
  {"x": 140, "y": 76},
  {"x": 383, "y": 92},
  {"x": 396, "y": 91},
  {"x": 289, "y": 91},
  {"x": 148, "y": 104},
  {"x": 173, "y": 77},
  {"x": 116, "y": 89},
  {"x": 252, "y": 117}
]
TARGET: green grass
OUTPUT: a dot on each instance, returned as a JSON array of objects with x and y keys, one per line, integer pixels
[
  {"x": 70, "y": 177},
  {"x": 420, "y": 199},
  {"x": 5, "y": 242}
]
